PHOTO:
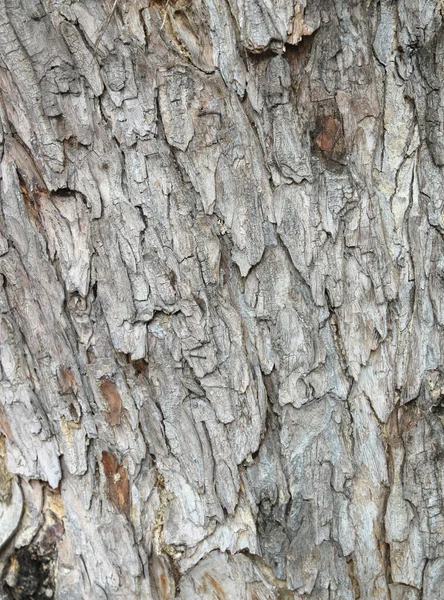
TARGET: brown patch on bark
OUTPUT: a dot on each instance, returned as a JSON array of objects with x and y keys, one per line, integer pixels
[
  {"x": 162, "y": 576},
  {"x": 118, "y": 482},
  {"x": 31, "y": 183},
  {"x": 328, "y": 141},
  {"x": 220, "y": 594},
  {"x": 67, "y": 381},
  {"x": 163, "y": 586},
  {"x": 329, "y": 135},
  {"x": 112, "y": 401},
  {"x": 140, "y": 367},
  {"x": 32, "y": 203}
]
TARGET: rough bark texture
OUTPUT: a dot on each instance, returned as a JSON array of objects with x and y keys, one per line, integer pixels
[{"x": 222, "y": 299}]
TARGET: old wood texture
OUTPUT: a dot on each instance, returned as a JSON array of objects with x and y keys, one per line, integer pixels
[{"x": 222, "y": 299}]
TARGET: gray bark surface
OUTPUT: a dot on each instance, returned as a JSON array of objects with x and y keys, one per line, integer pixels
[{"x": 222, "y": 299}]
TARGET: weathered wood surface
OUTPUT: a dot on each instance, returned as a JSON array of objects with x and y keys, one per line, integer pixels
[{"x": 222, "y": 301}]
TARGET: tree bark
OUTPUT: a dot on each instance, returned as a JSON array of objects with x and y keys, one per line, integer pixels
[{"x": 222, "y": 299}]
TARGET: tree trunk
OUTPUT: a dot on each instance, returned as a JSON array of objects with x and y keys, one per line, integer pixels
[{"x": 222, "y": 299}]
